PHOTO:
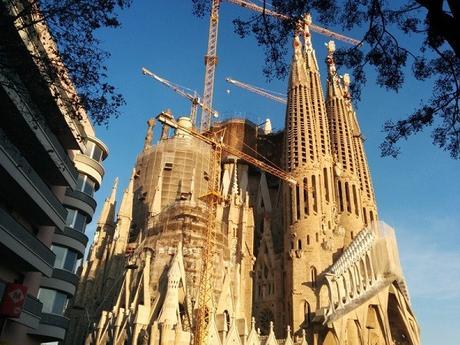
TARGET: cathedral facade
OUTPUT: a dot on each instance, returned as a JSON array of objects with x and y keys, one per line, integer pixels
[{"x": 304, "y": 264}]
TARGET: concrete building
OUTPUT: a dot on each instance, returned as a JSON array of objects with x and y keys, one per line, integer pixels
[
  {"x": 50, "y": 167},
  {"x": 304, "y": 264}
]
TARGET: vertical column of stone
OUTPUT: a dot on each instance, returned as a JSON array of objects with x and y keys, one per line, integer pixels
[{"x": 346, "y": 168}]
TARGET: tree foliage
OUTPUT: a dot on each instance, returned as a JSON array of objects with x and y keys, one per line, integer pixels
[
  {"x": 434, "y": 26},
  {"x": 77, "y": 53}
]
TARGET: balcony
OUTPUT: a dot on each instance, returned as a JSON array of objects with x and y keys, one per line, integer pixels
[
  {"x": 80, "y": 201},
  {"x": 72, "y": 239},
  {"x": 89, "y": 167},
  {"x": 52, "y": 327},
  {"x": 23, "y": 248},
  {"x": 25, "y": 189},
  {"x": 33, "y": 137},
  {"x": 61, "y": 280},
  {"x": 31, "y": 313}
]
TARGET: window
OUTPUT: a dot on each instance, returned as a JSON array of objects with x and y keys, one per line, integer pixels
[
  {"x": 347, "y": 196},
  {"x": 85, "y": 185},
  {"x": 355, "y": 200},
  {"x": 307, "y": 312},
  {"x": 76, "y": 220},
  {"x": 314, "y": 194},
  {"x": 297, "y": 199},
  {"x": 326, "y": 183},
  {"x": 66, "y": 259},
  {"x": 305, "y": 196},
  {"x": 313, "y": 276},
  {"x": 54, "y": 302},
  {"x": 93, "y": 151},
  {"x": 339, "y": 188}
]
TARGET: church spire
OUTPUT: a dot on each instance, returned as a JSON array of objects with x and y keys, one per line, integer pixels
[
  {"x": 298, "y": 74},
  {"x": 310, "y": 56},
  {"x": 333, "y": 81},
  {"x": 120, "y": 238},
  {"x": 170, "y": 309},
  {"x": 108, "y": 209},
  {"x": 126, "y": 206},
  {"x": 308, "y": 157},
  {"x": 105, "y": 225},
  {"x": 369, "y": 206},
  {"x": 342, "y": 135}
]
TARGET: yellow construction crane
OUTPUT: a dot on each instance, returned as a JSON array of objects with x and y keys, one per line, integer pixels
[
  {"x": 196, "y": 101},
  {"x": 212, "y": 199},
  {"x": 211, "y": 54},
  {"x": 313, "y": 27},
  {"x": 258, "y": 90}
]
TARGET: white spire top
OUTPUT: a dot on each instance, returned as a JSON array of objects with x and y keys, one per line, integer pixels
[
  {"x": 114, "y": 189},
  {"x": 330, "y": 58},
  {"x": 306, "y": 32},
  {"x": 126, "y": 205}
]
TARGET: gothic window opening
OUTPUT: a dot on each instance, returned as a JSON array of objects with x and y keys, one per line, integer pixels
[
  {"x": 308, "y": 240},
  {"x": 371, "y": 216},
  {"x": 326, "y": 183},
  {"x": 314, "y": 193},
  {"x": 297, "y": 199},
  {"x": 307, "y": 313},
  {"x": 339, "y": 187},
  {"x": 313, "y": 276},
  {"x": 291, "y": 193},
  {"x": 355, "y": 201},
  {"x": 305, "y": 196},
  {"x": 299, "y": 244},
  {"x": 347, "y": 196},
  {"x": 365, "y": 216}
]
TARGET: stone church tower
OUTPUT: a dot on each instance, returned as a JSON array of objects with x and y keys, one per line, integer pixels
[{"x": 304, "y": 264}]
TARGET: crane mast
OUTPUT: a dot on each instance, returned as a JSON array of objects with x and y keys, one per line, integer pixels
[
  {"x": 211, "y": 54},
  {"x": 210, "y": 61},
  {"x": 257, "y": 90},
  {"x": 177, "y": 89},
  {"x": 313, "y": 27}
]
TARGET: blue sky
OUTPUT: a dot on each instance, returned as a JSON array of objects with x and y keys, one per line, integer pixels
[{"x": 417, "y": 194}]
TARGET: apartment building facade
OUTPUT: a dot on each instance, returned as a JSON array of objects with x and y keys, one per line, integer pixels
[{"x": 50, "y": 168}]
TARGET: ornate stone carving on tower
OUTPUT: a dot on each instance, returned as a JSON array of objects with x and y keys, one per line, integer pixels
[{"x": 308, "y": 263}]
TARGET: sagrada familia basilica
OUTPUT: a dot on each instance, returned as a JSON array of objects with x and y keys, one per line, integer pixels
[{"x": 304, "y": 264}]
